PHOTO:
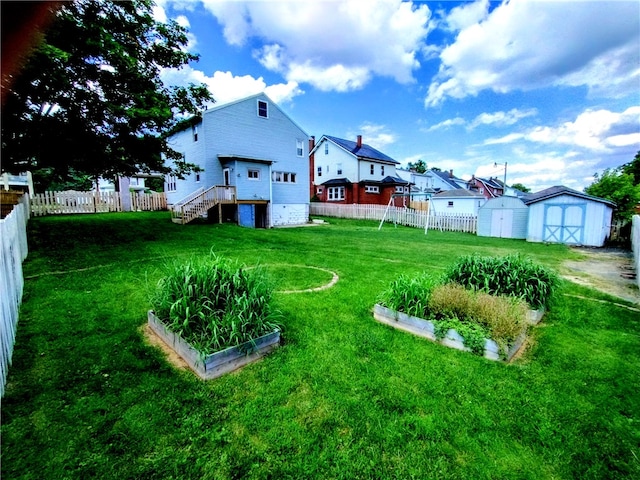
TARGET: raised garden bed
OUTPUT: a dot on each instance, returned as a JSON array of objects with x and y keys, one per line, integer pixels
[
  {"x": 426, "y": 329},
  {"x": 218, "y": 363}
]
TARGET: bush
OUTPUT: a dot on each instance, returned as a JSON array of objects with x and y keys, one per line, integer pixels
[
  {"x": 214, "y": 303},
  {"x": 511, "y": 275}
]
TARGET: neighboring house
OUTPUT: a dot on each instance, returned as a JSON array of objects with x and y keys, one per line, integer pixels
[
  {"x": 459, "y": 201},
  {"x": 503, "y": 217},
  {"x": 21, "y": 182},
  {"x": 445, "y": 180},
  {"x": 254, "y": 161},
  {"x": 562, "y": 215},
  {"x": 420, "y": 182},
  {"x": 136, "y": 184},
  {"x": 490, "y": 188},
  {"x": 344, "y": 171}
]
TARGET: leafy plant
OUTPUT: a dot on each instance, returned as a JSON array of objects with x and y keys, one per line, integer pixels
[
  {"x": 511, "y": 275},
  {"x": 473, "y": 334},
  {"x": 214, "y": 303}
]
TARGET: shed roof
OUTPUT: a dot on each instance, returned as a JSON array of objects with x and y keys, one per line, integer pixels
[
  {"x": 458, "y": 193},
  {"x": 558, "y": 190}
]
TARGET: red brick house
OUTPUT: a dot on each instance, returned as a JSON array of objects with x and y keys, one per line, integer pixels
[{"x": 344, "y": 171}]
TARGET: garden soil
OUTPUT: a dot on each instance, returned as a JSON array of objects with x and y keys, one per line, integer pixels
[{"x": 609, "y": 270}]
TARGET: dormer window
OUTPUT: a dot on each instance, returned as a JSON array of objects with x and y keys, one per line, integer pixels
[{"x": 263, "y": 109}]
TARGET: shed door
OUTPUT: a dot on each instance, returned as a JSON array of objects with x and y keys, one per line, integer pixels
[
  {"x": 564, "y": 223},
  {"x": 502, "y": 223}
]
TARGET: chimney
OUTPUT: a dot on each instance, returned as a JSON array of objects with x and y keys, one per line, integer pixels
[
  {"x": 312, "y": 142},
  {"x": 451, "y": 173},
  {"x": 359, "y": 141}
]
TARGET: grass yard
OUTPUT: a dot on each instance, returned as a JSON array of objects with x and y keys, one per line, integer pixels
[{"x": 344, "y": 397}]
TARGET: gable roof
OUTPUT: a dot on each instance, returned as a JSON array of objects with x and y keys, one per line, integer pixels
[
  {"x": 447, "y": 178},
  {"x": 365, "y": 151},
  {"x": 558, "y": 190},
  {"x": 188, "y": 122},
  {"x": 458, "y": 193}
]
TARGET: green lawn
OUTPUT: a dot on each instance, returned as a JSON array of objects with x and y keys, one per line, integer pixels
[{"x": 344, "y": 396}]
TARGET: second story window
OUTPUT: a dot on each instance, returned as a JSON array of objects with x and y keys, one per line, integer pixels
[
  {"x": 194, "y": 131},
  {"x": 197, "y": 177},
  {"x": 263, "y": 109},
  {"x": 339, "y": 169},
  {"x": 171, "y": 183},
  {"x": 319, "y": 171},
  {"x": 382, "y": 170},
  {"x": 299, "y": 148},
  {"x": 372, "y": 168},
  {"x": 326, "y": 148},
  {"x": 253, "y": 174}
]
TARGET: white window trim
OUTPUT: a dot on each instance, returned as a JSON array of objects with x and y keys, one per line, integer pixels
[
  {"x": 253, "y": 179},
  {"x": 198, "y": 177},
  {"x": 372, "y": 189},
  {"x": 299, "y": 148},
  {"x": 172, "y": 183},
  {"x": 284, "y": 177},
  {"x": 335, "y": 194}
]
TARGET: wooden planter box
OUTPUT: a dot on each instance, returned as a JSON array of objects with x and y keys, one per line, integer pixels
[
  {"x": 426, "y": 329},
  {"x": 218, "y": 363}
]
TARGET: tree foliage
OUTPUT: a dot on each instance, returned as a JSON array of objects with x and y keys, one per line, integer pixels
[
  {"x": 619, "y": 187},
  {"x": 420, "y": 166},
  {"x": 90, "y": 99},
  {"x": 521, "y": 187},
  {"x": 633, "y": 169}
]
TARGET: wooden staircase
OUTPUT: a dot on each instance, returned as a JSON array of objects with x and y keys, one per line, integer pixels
[{"x": 200, "y": 201}]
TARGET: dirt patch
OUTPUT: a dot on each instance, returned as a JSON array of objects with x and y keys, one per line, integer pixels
[
  {"x": 172, "y": 357},
  {"x": 609, "y": 270}
]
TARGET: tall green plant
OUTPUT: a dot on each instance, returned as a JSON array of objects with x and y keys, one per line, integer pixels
[
  {"x": 410, "y": 294},
  {"x": 214, "y": 302},
  {"x": 511, "y": 275}
]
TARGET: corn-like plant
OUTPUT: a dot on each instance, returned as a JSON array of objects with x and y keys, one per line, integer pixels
[
  {"x": 511, "y": 275},
  {"x": 215, "y": 303},
  {"x": 410, "y": 294}
]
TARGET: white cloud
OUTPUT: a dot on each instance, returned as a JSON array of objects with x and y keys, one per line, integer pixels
[
  {"x": 527, "y": 45},
  {"x": 502, "y": 118},
  {"x": 447, "y": 124},
  {"x": 333, "y": 48},
  {"x": 226, "y": 87},
  {"x": 595, "y": 130},
  {"x": 374, "y": 135},
  {"x": 467, "y": 14}
]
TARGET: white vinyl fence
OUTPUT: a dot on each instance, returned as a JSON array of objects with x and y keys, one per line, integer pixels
[
  {"x": 13, "y": 241},
  {"x": 635, "y": 245},
  {"x": 56, "y": 203},
  {"x": 451, "y": 222}
]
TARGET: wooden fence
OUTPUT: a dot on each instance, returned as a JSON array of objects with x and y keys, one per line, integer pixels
[
  {"x": 56, "y": 203},
  {"x": 399, "y": 215},
  {"x": 13, "y": 232}
]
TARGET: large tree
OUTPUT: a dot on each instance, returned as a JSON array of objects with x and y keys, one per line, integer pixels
[
  {"x": 89, "y": 99},
  {"x": 619, "y": 187}
]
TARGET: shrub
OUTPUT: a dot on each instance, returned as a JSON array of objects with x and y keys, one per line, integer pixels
[
  {"x": 511, "y": 275},
  {"x": 214, "y": 303}
]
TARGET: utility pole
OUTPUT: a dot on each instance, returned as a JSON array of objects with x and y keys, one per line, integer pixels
[{"x": 504, "y": 186}]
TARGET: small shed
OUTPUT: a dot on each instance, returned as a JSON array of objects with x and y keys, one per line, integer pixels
[
  {"x": 562, "y": 215},
  {"x": 503, "y": 217}
]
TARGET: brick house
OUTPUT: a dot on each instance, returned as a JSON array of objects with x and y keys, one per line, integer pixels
[{"x": 344, "y": 171}]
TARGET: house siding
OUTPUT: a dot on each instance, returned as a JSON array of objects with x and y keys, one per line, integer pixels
[{"x": 233, "y": 136}]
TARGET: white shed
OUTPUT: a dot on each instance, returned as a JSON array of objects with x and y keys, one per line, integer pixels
[
  {"x": 562, "y": 215},
  {"x": 503, "y": 217}
]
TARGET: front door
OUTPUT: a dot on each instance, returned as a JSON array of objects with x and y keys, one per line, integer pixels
[{"x": 227, "y": 176}]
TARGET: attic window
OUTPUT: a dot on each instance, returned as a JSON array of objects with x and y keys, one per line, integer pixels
[
  {"x": 263, "y": 109},
  {"x": 326, "y": 148},
  {"x": 450, "y": 203},
  {"x": 372, "y": 168},
  {"x": 382, "y": 170},
  {"x": 194, "y": 131}
]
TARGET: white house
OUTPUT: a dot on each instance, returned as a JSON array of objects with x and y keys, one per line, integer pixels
[
  {"x": 347, "y": 171},
  {"x": 254, "y": 166},
  {"x": 562, "y": 215},
  {"x": 458, "y": 201}
]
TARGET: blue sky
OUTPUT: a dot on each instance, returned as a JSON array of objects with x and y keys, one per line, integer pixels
[{"x": 549, "y": 88}]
